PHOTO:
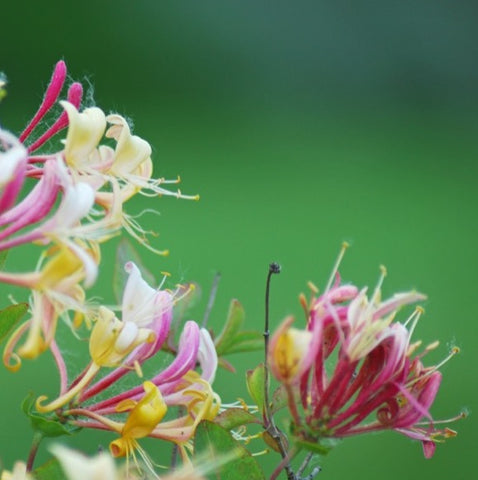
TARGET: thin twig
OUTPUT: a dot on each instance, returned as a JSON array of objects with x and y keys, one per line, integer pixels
[
  {"x": 212, "y": 298},
  {"x": 312, "y": 474},
  {"x": 269, "y": 424},
  {"x": 304, "y": 465},
  {"x": 37, "y": 438}
]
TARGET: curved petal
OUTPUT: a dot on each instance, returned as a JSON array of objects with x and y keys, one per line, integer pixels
[{"x": 85, "y": 131}]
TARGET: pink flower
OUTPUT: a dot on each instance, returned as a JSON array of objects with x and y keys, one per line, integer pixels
[{"x": 352, "y": 361}]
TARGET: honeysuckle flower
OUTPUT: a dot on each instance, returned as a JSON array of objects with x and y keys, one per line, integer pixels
[
  {"x": 19, "y": 472},
  {"x": 129, "y": 164},
  {"x": 375, "y": 370},
  {"x": 56, "y": 290},
  {"x": 167, "y": 380},
  {"x": 143, "y": 416},
  {"x": 77, "y": 466},
  {"x": 85, "y": 131},
  {"x": 127, "y": 343},
  {"x": 13, "y": 158},
  {"x": 34, "y": 207},
  {"x": 287, "y": 347},
  {"x": 144, "y": 405},
  {"x": 112, "y": 339}
]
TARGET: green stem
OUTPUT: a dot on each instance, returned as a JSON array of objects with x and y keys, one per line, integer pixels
[{"x": 37, "y": 438}]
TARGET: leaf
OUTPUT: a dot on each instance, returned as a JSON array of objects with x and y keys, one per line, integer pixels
[
  {"x": 273, "y": 443},
  {"x": 234, "y": 322},
  {"x": 279, "y": 399},
  {"x": 247, "y": 341},
  {"x": 50, "y": 470},
  {"x": 255, "y": 380},
  {"x": 229, "y": 460},
  {"x": 231, "y": 339},
  {"x": 10, "y": 317},
  {"x": 126, "y": 253},
  {"x": 235, "y": 417},
  {"x": 3, "y": 257},
  {"x": 313, "y": 447},
  {"x": 47, "y": 426}
]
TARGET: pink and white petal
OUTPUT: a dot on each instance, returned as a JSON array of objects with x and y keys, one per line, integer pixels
[{"x": 207, "y": 356}]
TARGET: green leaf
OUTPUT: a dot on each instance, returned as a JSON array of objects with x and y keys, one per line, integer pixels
[
  {"x": 273, "y": 443},
  {"x": 10, "y": 317},
  {"x": 231, "y": 339},
  {"x": 50, "y": 470},
  {"x": 228, "y": 459},
  {"x": 234, "y": 322},
  {"x": 279, "y": 399},
  {"x": 247, "y": 341},
  {"x": 3, "y": 258},
  {"x": 235, "y": 417},
  {"x": 126, "y": 253},
  {"x": 255, "y": 380},
  {"x": 48, "y": 426},
  {"x": 313, "y": 447}
]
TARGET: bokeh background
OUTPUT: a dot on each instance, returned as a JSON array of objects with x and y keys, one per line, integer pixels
[{"x": 301, "y": 124}]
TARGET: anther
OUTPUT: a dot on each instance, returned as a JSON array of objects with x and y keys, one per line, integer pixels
[
  {"x": 313, "y": 288},
  {"x": 345, "y": 245}
]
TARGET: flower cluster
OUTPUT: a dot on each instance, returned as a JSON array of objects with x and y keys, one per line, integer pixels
[
  {"x": 354, "y": 369},
  {"x": 76, "y": 203},
  {"x": 69, "y": 202},
  {"x": 126, "y": 344}
]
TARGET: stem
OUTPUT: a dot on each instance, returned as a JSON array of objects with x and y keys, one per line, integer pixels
[
  {"x": 175, "y": 452},
  {"x": 269, "y": 424},
  {"x": 273, "y": 268},
  {"x": 212, "y": 298},
  {"x": 285, "y": 463},
  {"x": 304, "y": 464},
  {"x": 37, "y": 438},
  {"x": 60, "y": 363}
]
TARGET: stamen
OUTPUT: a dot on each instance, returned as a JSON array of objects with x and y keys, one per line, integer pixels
[
  {"x": 460, "y": 416},
  {"x": 304, "y": 304},
  {"x": 454, "y": 351},
  {"x": 376, "y": 293},
  {"x": 413, "y": 319},
  {"x": 432, "y": 346},
  {"x": 313, "y": 288},
  {"x": 345, "y": 245},
  {"x": 137, "y": 368},
  {"x": 191, "y": 287}
]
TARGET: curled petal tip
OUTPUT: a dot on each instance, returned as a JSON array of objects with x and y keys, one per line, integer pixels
[{"x": 38, "y": 404}]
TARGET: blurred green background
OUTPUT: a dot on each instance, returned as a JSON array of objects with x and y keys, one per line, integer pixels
[{"x": 301, "y": 124}]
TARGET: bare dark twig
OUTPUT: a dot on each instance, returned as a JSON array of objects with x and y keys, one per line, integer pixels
[{"x": 269, "y": 424}]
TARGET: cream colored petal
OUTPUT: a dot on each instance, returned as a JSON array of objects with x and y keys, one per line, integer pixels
[
  {"x": 12, "y": 158},
  {"x": 85, "y": 131},
  {"x": 131, "y": 150},
  {"x": 79, "y": 467},
  {"x": 138, "y": 304},
  {"x": 19, "y": 473}
]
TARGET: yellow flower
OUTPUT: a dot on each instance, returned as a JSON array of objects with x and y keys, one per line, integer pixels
[
  {"x": 142, "y": 419},
  {"x": 288, "y": 352},
  {"x": 55, "y": 290},
  {"x": 111, "y": 339}
]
